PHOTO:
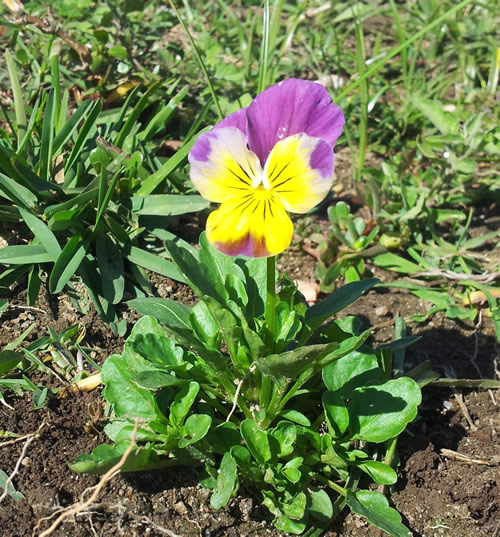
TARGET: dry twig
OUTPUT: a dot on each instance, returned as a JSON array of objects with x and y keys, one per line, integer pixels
[
  {"x": 237, "y": 392},
  {"x": 485, "y": 277},
  {"x": 465, "y": 458},
  {"x": 465, "y": 411},
  {"x": 29, "y": 439},
  {"x": 34, "y": 435},
  {"x": 80, "y": 506},
  {"x": 23, "y": 18}
]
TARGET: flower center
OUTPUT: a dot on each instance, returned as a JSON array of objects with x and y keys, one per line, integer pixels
[
  {"x": 262, "y": 193},
  {"x": 260, "y": 180}
]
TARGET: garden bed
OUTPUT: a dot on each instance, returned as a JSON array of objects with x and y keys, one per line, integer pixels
[{"x": 449, "y": 463}]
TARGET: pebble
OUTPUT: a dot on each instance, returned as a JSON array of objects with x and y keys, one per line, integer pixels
[
  {"x": 180, "y": 508},
  {"x": 381, "y": 311}
]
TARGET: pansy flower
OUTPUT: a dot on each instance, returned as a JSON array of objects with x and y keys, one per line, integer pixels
[{"x": 262, "y": 161}]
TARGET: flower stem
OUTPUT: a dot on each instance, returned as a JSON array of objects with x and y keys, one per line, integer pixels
[
  {"x": 270, "y": 313},
  {"x": 337, "y": 488}
]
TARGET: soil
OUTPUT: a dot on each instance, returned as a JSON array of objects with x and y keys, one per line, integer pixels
[{"x": 448, "y": 483}]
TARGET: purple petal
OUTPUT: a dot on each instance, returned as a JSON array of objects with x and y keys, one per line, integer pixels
[
  {"x": 237, "y": 119},
  {"x": 202, "y": 148},
  {"x": 322, "y": 160},
  {"x": 291, "y": 107}
]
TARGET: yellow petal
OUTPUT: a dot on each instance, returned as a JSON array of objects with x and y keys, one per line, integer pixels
[
  {"x": 299, "y": 170},
  {"x": 254, "y": 224},
  {"x": 222, "y": 166}
]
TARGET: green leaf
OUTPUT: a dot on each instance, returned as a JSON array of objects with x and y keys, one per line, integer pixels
[
  {"x": 319, "y": 505},
  {"x": 390, "y": 261},
  {"x": 355, "y": 11},
  {"x": 9, "y": 360},
  {"x": 287, "y": 366},
  {"x": 358, "y": 368},
  {"x": 446, "y": 122},
  {"x": 227, "y": 481},
  {"x": 154, "y": 380},
  {"x": 70, "y": 126},
  {"x": 128, "y": 398},
  {"x": 336, "y": 414},
  {"x": 90, "y": 194},
  {"x": 152, "y": 262},
  {"x": 118, "y": 52},
  {"x": 337, "y": 301},
  {"x": 150, "y": 183},
  {"x": 42, "y": 233},
  {"x": 183, "y": 402},
  {"x": 160, "y": 119},
  {"x": 34, "y": 284},
  {"x": 295, "y": 416},
  {"x": 83, "y": 135},
  {"x": 24, "y": 254},
  {"x": 105, "y": 456},
  {"x": 166, "y": 204},
  {"x": 475, "y": 242},
  {"x": 173, "y": 315},
  {"x": 18, "y": 97},
  {"x": 381, "y": 473},
  {"x": 256, "y": 440},
  {"x": 67, "y": 263},
  {"x": 412, "y": 213},
  {"x": 286, "y": 435},
  {"x": 11, "y": 491},
  {"x": 255, "y": 270},
  {"x": 218, "y": 267},
  {"x": 149, "y": 340},
  {"x": 195, "y": 428},
  {"x": 18, "y": 194},
  {"x": 375, "y": 508},
  {"x": 382, "y": 411},
  {"x": 132, "y": 118},
  {"x": 110, "y": 262},
  {"x": 47, "y": 137},
  {"x": 204, "y": 326}
]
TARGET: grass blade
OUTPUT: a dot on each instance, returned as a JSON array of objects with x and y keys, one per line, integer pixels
[
  {"x": 18, "y": 98},
  {"x": 16, "y": 193},
  {"x": 152, "y": 182},
  {"x": 152, "y": 262},
  {"x": 200, "y": 61},
  {"x": 109, "y": 259},
  {"x": 66, "y": 130},
  {"x": 84, "y": 134},
  {"x": 67, "y": 263},
  {"x": 160, "y": 119},
  {"x": 167, "y": 204},
  {"x": 47, "y": 137},
  {"x": 264, "y": 49},
  {"x": 24, "y": 254},
  {"x": 132, "y": 118},
  {"x": 395, "y": 51},
  {"x": 42, "y": 233}
]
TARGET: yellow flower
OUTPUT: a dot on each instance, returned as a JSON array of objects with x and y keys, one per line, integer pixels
[{"x": 260, "y": 162}]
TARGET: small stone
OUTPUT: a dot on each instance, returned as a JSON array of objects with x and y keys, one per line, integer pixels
[
  {"x": 180, "y": 508},
  {"x": 381, "y": 311}
]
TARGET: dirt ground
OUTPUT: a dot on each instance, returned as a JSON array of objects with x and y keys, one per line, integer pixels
[{"x": 448, "y": 482}]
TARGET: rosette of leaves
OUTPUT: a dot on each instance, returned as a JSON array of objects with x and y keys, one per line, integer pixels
[
  {"x": 348, "y": 241},
  {"x": 299, "y": 417}
]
